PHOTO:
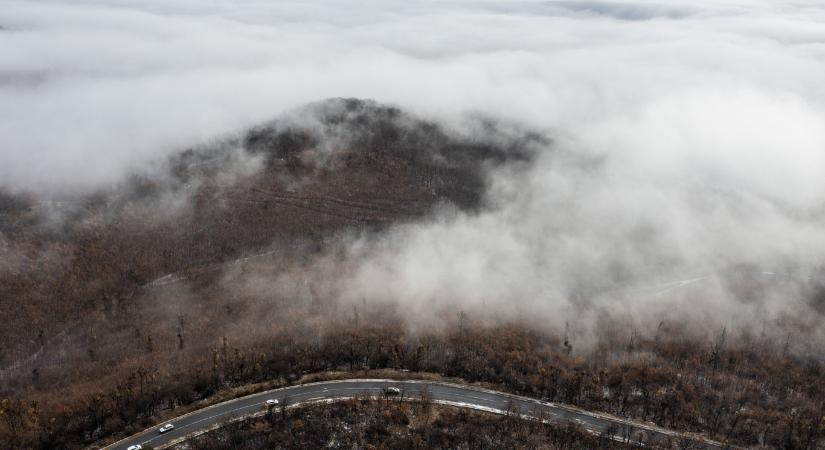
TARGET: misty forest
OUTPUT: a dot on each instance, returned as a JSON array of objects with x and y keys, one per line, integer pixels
[{"x": 412, "y": 225}]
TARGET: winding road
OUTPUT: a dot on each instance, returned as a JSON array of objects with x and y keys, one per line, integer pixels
[{"x": 444, "y": 393}]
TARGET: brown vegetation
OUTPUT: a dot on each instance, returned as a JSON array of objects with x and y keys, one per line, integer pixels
[
  {"x": 393, "y": 425},
  {"x": 122, "y": 306},
  {"x": 746, "y": 396}
]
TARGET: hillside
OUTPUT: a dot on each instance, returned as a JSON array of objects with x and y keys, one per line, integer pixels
[{"x": 211, "y": 271}]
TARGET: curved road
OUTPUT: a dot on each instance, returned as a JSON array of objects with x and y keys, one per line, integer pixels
[{"x": 444, "y": 393}]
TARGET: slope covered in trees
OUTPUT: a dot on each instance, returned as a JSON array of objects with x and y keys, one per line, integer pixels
[
  {"x": 374, "y": 425},
  {"x": 202, "y": 276}
]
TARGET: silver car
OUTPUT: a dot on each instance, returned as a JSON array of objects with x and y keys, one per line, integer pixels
[
  {"x": 165, "y": 428},
  {"x": 392, "y": 391}
]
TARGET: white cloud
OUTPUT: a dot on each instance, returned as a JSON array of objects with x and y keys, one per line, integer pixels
[
  {"x": 100, "y": 87},
  {"x": 707, "y": 119}
]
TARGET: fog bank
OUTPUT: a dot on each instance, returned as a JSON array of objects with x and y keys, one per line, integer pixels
[{"x": 688, "y": 139}]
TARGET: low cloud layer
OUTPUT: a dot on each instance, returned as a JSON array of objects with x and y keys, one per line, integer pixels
[
  {"x": 100, "y": 88},
  {"x": 688, "y": 138}
]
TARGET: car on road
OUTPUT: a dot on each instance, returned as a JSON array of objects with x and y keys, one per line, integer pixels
[
  {"x": 165, "y": 428},
  {"x": 135, "y": 447},
  {"x": 392, "y": 391},
  {"x": 271, "y": 402}
]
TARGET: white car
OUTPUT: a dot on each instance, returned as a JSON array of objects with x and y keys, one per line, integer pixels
[
  {"x": 166, "y": 428},
  {"x": 135, "y": 447},
  {"x": 392, "y": 391},
  {"x": 271, "y": 402}
]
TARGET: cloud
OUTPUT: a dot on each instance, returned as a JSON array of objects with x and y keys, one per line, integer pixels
[
  {"x": 688, "y": 137},
  {"x": 622, "y": 11},
  {"x": 103, "y": 87}
]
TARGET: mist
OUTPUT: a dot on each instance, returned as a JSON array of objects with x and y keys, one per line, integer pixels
[
  {"x": 105, "y": 87},
  {"x": 685, "y": 140}
]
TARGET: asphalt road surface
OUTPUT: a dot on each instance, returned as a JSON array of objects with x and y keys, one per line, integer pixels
[{"x": 458, "y": 395}]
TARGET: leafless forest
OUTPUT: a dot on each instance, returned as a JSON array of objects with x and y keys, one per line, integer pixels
[
  {"x": 376, "y": 425},
  {"x": 219, "y": 270}
]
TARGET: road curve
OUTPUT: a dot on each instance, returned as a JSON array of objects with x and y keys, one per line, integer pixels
[{"x": 452, "y": 394}]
